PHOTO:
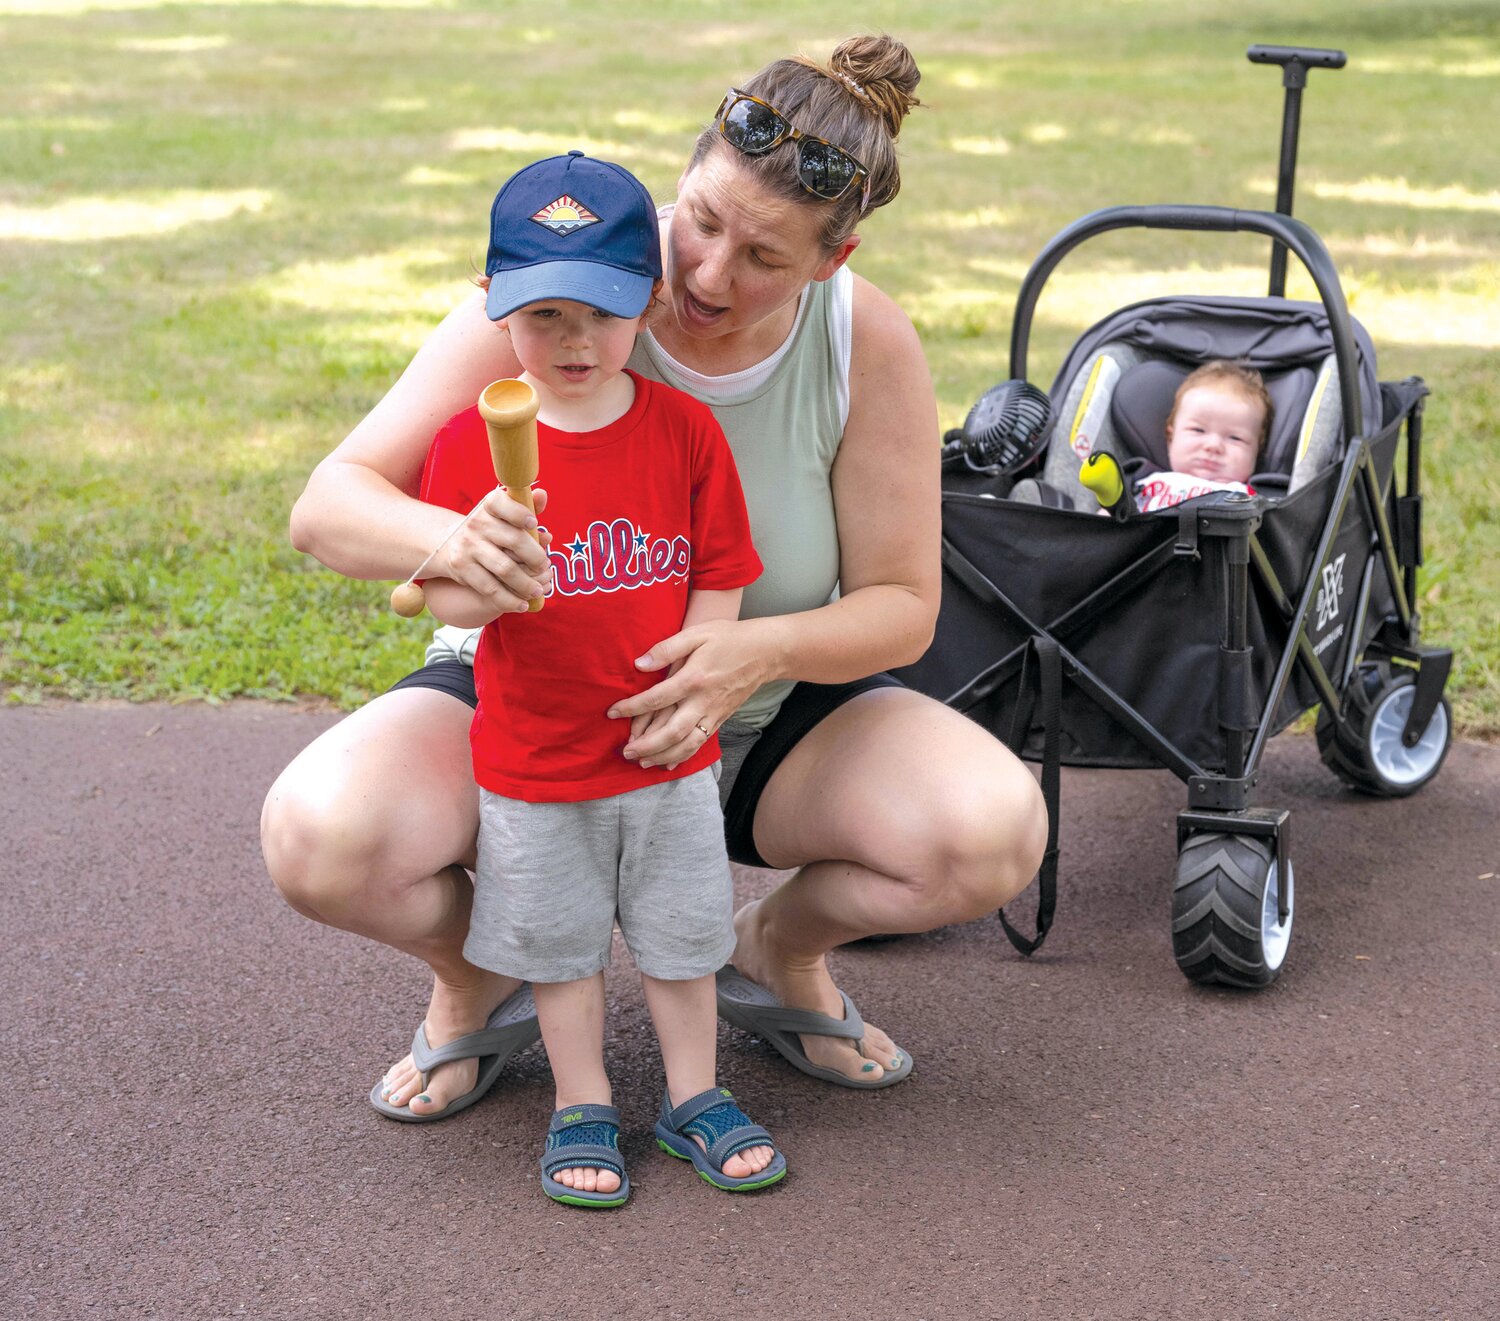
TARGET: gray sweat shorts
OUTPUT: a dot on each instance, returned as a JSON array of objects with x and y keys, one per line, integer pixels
[{"x": 553, "y": 878}]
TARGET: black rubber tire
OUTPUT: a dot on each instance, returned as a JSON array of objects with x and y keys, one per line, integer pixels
[
  {"x": 1349, "y": 749},
  {"x": 1219, "y": 934}
]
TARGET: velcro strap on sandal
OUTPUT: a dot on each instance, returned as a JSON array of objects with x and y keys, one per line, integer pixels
[
  {"x": 583, "y": 1156},
  {"x": 573, "y": 1115},
  {"x": 694, "y": 1106},
  {"x": 738, "y": 1140}
]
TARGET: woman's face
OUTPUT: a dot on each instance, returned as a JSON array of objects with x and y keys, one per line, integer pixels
[{"x": 736, "y": 254}]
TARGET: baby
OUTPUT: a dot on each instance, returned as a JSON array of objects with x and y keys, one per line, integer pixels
[{"x": 1216, "y": 430}]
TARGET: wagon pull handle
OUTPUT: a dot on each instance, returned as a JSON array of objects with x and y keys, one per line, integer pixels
[{"x": 1295, "y": 61}]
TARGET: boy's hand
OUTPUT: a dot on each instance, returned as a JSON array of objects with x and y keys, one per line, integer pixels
[{"x": 495, "y": 554}]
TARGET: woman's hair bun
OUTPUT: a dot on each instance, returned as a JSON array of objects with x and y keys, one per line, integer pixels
[{"x": 884, "y": 72}]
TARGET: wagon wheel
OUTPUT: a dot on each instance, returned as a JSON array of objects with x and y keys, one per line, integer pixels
[
  {"x": 1365, "y": 749},
  {"x": 1226, "y": 928}
]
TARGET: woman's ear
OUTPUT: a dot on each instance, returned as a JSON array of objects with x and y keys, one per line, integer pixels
[{"x": 830, "y": 264}]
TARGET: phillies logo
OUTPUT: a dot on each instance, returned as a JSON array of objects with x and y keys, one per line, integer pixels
[
  {"x": 1331, "y": 592},
  {"x": 615, "y": 557}
]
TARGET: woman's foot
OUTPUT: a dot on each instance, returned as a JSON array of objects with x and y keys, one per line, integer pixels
[
  {"x": 808, "y": 985},
  {"x": 454, "y": 1011}
]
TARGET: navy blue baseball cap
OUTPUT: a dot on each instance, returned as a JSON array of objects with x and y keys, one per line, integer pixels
[{"x": 577, "y": 228}]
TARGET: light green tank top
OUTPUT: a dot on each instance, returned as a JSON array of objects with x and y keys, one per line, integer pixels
[{"x": 784, "y": 432}]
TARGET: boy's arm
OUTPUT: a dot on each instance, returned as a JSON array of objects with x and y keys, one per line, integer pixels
[
  {"x": 453, "y": 603},
  {"x": 704, "y": 607}
]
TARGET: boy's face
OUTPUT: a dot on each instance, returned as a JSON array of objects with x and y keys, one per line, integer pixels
[
  {"x": 1215, "y": 435},
  {"x": 571, "y": 348}
]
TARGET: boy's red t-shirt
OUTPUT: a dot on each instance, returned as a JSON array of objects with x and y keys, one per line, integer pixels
[{"x": 640, "y": 512}]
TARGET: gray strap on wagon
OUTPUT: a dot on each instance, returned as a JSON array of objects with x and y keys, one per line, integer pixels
[{"x": 1045, "y": 660}]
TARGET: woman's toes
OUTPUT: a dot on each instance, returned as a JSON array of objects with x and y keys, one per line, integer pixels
[
  {"x": 402, "y": 1092},
  {"x": 875, "y": 1045}
]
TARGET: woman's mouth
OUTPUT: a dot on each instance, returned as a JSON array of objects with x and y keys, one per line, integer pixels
[{"x": 699, "y": 312}]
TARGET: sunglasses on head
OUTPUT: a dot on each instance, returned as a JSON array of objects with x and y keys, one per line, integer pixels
[{"x": 752, "y": 126}]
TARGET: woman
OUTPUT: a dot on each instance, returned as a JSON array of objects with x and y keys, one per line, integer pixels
[{"x": 898, "y": 814}]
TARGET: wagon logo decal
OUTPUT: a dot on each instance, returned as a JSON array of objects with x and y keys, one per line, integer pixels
[
  {"x": 1331, "y": 594},
  {"x": 565, "y": 215}
]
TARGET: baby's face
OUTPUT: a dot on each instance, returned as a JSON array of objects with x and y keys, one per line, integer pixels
[{"x": 1215, "y": 435}]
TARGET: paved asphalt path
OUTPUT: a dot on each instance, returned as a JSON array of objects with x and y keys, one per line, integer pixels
[{"x": 1085, "y": 1135}]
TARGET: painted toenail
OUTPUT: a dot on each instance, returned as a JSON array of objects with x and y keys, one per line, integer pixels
[
  {"x": 422, "y": 1097},
  {"x": 868, "y": 1068}
]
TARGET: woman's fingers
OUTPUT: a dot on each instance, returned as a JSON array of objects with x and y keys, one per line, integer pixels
[
  {"x": 659, "y": 697},
  {"x": 673, "y": 737}
]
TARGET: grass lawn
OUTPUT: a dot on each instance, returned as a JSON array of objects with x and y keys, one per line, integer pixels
[{"x": 224, "y": 228}]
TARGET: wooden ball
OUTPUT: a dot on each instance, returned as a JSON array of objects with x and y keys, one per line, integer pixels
[{"x": 408, "y": 600}]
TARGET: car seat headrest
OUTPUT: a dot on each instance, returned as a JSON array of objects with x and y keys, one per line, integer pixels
[{"x": 1303, "y": 409}]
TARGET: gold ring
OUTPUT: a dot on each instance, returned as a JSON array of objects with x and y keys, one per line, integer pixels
[{"x": 701, "y": 730}]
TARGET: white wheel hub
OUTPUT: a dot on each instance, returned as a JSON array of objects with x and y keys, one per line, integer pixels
[
  {"x": 1276, "y": 935},
  {"x": 1389, "y": 756}
]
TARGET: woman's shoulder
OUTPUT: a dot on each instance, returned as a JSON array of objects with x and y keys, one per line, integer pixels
[{"x": 884, "y": 337}]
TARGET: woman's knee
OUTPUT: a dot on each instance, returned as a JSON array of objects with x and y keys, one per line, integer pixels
[
  {"x": 979, "y": 847},
  {"x": 318, "y": 845},
  {"x": 376, "y": 804}
]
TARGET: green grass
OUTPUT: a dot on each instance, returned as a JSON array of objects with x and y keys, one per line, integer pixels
[{"x": 225, "y": 228}]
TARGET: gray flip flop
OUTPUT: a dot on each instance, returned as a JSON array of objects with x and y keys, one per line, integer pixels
[
  {"x": 751, "y": 1006},
  {"x": 510, "y": 1029}
]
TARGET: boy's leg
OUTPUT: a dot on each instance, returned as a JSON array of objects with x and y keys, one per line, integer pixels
[
  {"x": 686, "y": 1020},
  {"x": 572, "y": 1018}
]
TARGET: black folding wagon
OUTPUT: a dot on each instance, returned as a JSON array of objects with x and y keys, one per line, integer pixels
[{"x": 1185, "y": 639}]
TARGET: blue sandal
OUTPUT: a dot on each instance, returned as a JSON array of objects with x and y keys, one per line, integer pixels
[
  {"x": 584, "y": 1136},
  {"x": 725, "y": 1129}
]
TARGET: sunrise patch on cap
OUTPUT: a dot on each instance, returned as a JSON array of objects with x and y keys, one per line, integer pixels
[{"x": 563, "y": 215}]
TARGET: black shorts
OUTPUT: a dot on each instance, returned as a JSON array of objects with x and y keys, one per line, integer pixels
[{"x": 805, "y": 706}]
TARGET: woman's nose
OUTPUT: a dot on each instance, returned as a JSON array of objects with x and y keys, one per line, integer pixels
[{"x": 713, "y": 272}]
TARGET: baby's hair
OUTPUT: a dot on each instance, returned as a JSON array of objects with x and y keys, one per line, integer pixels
[
  {"x": 1233, "y": 378},
  {"x": 856, "y": 101}
]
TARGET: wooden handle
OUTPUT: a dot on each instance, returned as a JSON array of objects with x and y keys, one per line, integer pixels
[{"x": 509, "y": 411}]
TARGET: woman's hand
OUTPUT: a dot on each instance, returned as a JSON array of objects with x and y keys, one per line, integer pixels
[
  {"x": 715, "y": 667},
  {"x": 495, "y": 555}
]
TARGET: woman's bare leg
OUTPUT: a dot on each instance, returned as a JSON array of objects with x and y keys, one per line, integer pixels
[
  {"x": 902, "y": 816},
  {"x": 369, "y": 830}
]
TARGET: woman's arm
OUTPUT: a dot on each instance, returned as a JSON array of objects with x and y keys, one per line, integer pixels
[
  {"x": 885, "y": 489},
  {"x": 886, "y": 503},
  {"x": 359, "y": 514}
]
